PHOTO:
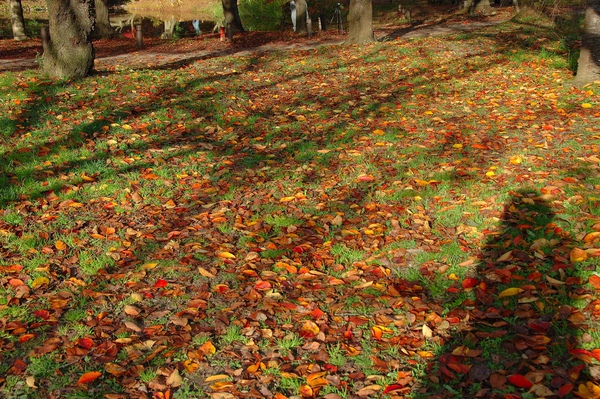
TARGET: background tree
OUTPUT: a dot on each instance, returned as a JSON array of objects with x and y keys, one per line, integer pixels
[
  {"x": 233, "y": 22},
  {"x": 588, "y": 67},
  {"x": 301, "y": 22},
  {"x": 478, "y": 7},
  {"x": 18, "y": 22},
  {"x": 68, "y": 53},
  {"x": 102, "y": 29},
  {"x": 360, "y": 22}
]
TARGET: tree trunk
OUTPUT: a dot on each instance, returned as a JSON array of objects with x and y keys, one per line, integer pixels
[
  {"x": 233, "y": 22},
  {"x": 478, "y": 7},
  {"x": 360, "y": 20},
  {"x": 18, "y": 22},
  {"x": 169, "y": 32},
  {"x": 69, "y": 52},
  {"x": 102, "y": 29},
  {"x": 301, "y": 8},
  {"x": 588, "y": 68}
]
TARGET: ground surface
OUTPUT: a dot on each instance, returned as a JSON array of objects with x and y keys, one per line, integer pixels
[
  {"x": 124, "y": 53},
  {"x": 413, "y": 218}
]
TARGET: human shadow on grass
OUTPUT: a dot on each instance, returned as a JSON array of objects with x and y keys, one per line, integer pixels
[{"x": 521, "y": 324}]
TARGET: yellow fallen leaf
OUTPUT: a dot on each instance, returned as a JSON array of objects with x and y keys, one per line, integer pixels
[
  {"x": 510, "y": 292},
  {"x": 216, "y": 377},
  {"x": 586, "y": 105},
  {"x": 220, "y": 385},
  {"x": 226, "y": 255},
  {"x": 287, "y": 199},
  {"x": 149, "y": 266},
  {"x": 38, "y": 282},
  {"x": 515, "y": 160},
  {"x": 61, "y": 246}
]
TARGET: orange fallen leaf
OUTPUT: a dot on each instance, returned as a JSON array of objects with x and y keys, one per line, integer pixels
[
  {"x": 594, "y": 281},
  {"x": 89, "y": 377},
  {"x": 578, "y": 255}
]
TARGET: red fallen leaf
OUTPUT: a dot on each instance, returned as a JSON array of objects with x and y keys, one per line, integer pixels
[
  {"x": 365, "y": 178},
  {"x": 520, "y": 381},
  {"x": 452, "y": 290},
  {"x": 595, "y": 281},
  {"x": 160, "y": 283},
  {"x": 330, "y": 367},
  {"x": 26, "y": 337},
  {"x": 565, "y": 389},
  {"x": 317, "y": 313},
  {"x": 41, "y": 313},
  {"x": 392, "y": 387},
  {"x": 479, "y": 146},
  {"x": 540, "y": 326},
  {"x": 89, "y": 377},
  {"x": 262, "y": 286},
  {"x": 86, "y": 343},
  {"x": 298, "y": 249},
  {"x": 469, "y": 282}
]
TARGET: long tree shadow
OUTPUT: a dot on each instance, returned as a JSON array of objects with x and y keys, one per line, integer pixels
[{"x": 523, "y": 324}]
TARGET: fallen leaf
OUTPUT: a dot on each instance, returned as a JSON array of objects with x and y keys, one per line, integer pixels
[
  {"x": 510, "y": 292},
  {"x": 89, "y": 377},
  {"x": 520, "y": 381}
]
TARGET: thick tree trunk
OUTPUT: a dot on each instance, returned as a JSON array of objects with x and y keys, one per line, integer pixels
[
  {"x": 69, "y": 52},
  {"x": 301, "y": 7},
  {"x": 478, "y": 7},
  {"x": 233, "y": 22},
  {"x": 360, "y": 20},
  {"x": 102, "y": 29},
  {"x": 18, "y": 22},
  {"x": 169, "y": 32},
  {"x": 588, "y": 69}
]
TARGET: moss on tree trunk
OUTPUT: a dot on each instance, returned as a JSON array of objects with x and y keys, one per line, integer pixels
[{"x": 69, "y": 52}]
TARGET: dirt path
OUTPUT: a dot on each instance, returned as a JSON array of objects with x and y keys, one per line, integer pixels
[{"x": 155, "y": 54}]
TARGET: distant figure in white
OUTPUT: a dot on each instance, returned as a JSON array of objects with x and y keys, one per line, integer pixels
[{"x": 293, "y": 8}]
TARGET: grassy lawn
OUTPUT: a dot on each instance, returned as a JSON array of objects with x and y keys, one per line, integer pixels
[{"x": 413, "y": 218}]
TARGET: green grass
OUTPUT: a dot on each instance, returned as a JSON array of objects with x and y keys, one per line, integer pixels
[{"x": 396, "y": 138}]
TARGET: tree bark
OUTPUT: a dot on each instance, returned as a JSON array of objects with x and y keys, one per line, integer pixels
[
  {"x": 588, "y": 68},
  {"x": 301, "y": 7},
  {"x": 169, "y": 32},
  {"x": 102, "y": 29},
  {"x": 473, "y": 7},
  {"x": 69, "y": 52},
  {"x": 233, "y": 22},
  {"x": 360, "y": 22},
  {"x": 18, "y": 22}
]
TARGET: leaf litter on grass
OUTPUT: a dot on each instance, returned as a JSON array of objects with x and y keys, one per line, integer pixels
[{"x": 394, "y": 220}]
